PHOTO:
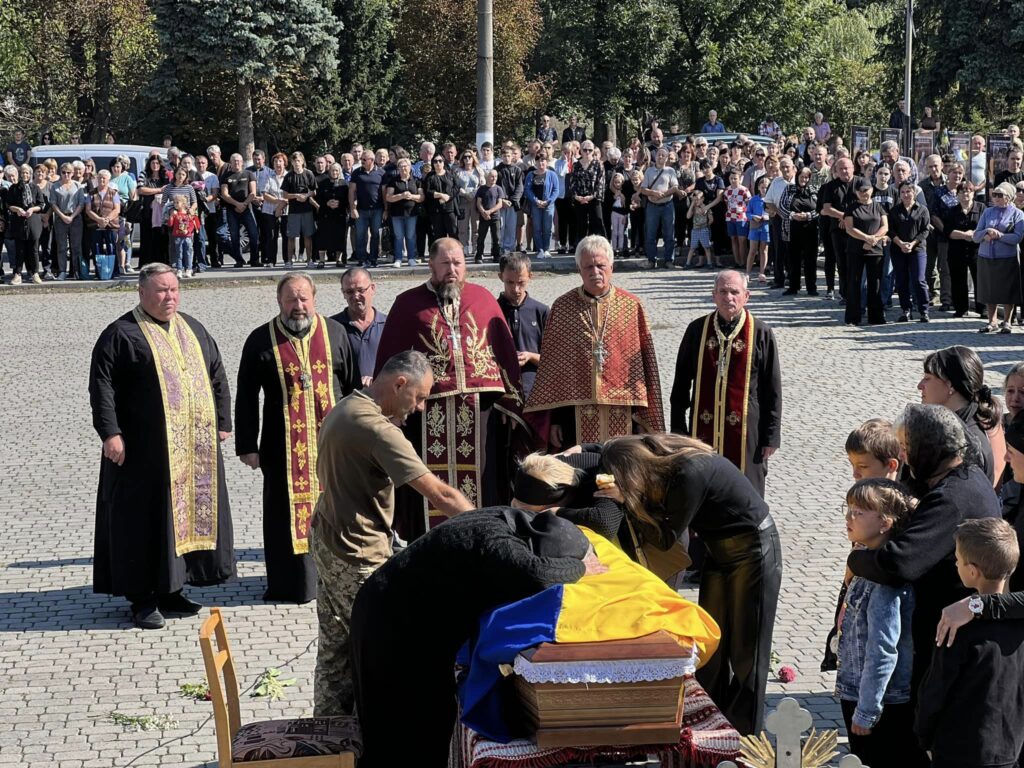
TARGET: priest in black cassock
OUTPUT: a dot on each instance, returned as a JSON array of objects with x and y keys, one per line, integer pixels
[
  {"x": 161, "y": 405},
  {"x": 728, "y": 387},
  {"x": 303, "y": 363}
]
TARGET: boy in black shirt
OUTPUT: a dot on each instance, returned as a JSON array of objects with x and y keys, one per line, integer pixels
[
  {"x": 526, "y": 317},
  {"x": 489, "y": 205},
  {"x": 970, "y": 711}
]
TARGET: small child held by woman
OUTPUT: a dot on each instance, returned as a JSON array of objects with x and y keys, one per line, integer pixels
[
  {"x": 183, "y": 225},
  {"x": 875, "y": 644}
]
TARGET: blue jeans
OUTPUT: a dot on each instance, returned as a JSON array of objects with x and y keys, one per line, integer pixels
[
  {"x": 404, "y": 228},
  {"x": 887, "y": 280},
  {"x": 199, "y": 248},
  {"x": 508, "y": 229},
  {"x": 663, "y": 218},
  {"x": 236, "y": 221},
  {"x": 182, "y": 252},
  {"x": 369, "y": 219},
  {"x": 543, "y": 220},
  {"x": 909, "y": 272}
]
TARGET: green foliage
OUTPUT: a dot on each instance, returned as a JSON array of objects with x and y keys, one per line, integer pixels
[
  {"x": 197, "y": 691},
  {"x": 270, "y": 685},
  {"x": 143, "y": 722}
]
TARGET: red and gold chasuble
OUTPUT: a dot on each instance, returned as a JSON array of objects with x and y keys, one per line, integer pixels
[
  {"x": 471, "y": 353},
  {"x": 597, "y": 356},
  {"x": 306, "y": 372},
  {"x": 190, "y": 416},
  {"x": 722, "y": 388}
]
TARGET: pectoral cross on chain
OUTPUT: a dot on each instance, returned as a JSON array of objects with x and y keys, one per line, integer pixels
[
  {"x": 600, "y": 355},
  {"x": 306, "y": 380},
  {"x": 722, "y": 363}
]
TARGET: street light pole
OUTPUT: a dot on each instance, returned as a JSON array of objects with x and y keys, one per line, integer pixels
[
  {"x": 908, "y": 121},
  {"x": 484, "y": 72}
]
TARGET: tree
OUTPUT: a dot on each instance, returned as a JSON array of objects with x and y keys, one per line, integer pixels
[
  {"x": 246, "y": 49},
  {"x": 604, "y": 57},
  {"x": 437, "y": 47}
]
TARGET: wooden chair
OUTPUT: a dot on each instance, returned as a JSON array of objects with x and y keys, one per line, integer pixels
[{"x": 309, "y": 742}]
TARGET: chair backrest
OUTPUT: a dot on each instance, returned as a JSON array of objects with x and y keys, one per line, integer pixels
[{"x": 220, "y": 676}]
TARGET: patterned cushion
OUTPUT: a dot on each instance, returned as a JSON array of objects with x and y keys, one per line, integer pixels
[{"x": 306, "y": 737}]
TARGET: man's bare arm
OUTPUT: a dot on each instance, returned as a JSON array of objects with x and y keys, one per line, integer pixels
[{"x": 441, "y": 495}]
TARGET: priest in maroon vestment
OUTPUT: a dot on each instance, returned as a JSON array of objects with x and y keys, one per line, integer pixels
[
  {"x": 728, "y": 386},
  {"x": 464, "y": 432},
  {"x": 598, "y": 377}
]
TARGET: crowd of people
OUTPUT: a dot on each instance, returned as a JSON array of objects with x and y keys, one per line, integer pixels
[{"x": 770, "y": 205}]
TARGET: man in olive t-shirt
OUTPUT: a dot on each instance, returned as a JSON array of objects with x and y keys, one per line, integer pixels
[{"x": 362, "y": 457}]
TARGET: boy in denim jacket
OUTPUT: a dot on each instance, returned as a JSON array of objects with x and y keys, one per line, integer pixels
[
  {"x": 875, "y": 644},
  {"x": 970, "y": 709}
]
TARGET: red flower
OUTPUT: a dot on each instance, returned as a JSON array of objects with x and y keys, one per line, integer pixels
[{"x": 787, "y": 674}]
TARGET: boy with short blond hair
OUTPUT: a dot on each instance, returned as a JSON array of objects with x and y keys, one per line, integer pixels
[
  {"x": 873, "y": 450},
  {"x": 970, "y": 711}
]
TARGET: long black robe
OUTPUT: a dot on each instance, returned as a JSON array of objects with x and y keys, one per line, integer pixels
[
  {"x": 290, "y": 577},
  {"x": 764, "y": 410},
  {"x": 414, "y": 613},
  {"x": 134, "y": 547}
]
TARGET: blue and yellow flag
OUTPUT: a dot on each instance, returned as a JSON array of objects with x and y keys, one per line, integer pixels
[{"x": 625, "y": 603}]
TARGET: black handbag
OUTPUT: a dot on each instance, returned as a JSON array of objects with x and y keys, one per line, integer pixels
[{"x": 133, "y": 211}]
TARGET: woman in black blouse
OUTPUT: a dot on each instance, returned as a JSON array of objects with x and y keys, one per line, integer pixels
[
  {"x": 25, "y": 204},
  {"x": 910, "y": 223},
  {"x": 670, "y": 483},
  {"x": 332, "y": 216},
  {"x": 152, "y": 237},
  {"x": 439, "y": 190},
  {"x": 404, "y": 196},
  {"x": 798, "y": 207},
  {"x": 866, "y": 226},
  {"x": 959, "y": 224}
]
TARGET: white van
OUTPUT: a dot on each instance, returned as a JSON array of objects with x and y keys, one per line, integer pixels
[{"x": 101, "y": 154}]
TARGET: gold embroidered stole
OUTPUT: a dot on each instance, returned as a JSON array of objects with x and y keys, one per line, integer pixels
[
  {"x": 190, "y": 418},
  {"x": 722, "y": 389},
  {"x": 305, "y": 369}
]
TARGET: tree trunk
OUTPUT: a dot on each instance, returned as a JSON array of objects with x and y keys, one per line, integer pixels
[
  {"x": 104, "y": 78},
  {"x": 83, "y": 101},
  {"x": 243, "y": 111}
]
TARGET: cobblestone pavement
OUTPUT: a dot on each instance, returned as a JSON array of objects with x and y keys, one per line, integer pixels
[{"x": 69, "y": 658}]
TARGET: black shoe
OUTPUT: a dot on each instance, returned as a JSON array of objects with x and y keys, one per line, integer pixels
[
  {"x": 959, "y": 314},
  {"x": 944, "y": 308},
  {"x": 478, "y": 260},
  {"x": 812, "y": 293},
  {"x": 239, "y": 264},
  {"x": 147, "y": 616},
  {"x": 176, "y": 602},
  {"x": 923, "y": 318},
  {"x": 903, "y": 318},
  {"x": 789, "y": 292}
]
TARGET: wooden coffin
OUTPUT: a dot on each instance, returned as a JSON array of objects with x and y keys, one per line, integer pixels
[{"x": 612, "y": 714}]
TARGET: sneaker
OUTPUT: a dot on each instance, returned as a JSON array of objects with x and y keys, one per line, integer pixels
[
  {"x": 62, "y": 276},
  {"x": 1004, "y": 327},
  {"x": 412, "y": 263},
  {"x": 130, "y": 270},
  {"x": 987, "y": 328},
  {"x": 830, "y": 295},
  {"x": 48, "y": 275},
  {"x": 16, "y": 279},
  {"x": 36, "y": 278},
  {"x": 180, "y": 273},
  {"x": 903, "y": 318},
  {"x": 188, "y": 273},
  {"x": 924, "y": 317},
  {"x": 397, "y": 265}
]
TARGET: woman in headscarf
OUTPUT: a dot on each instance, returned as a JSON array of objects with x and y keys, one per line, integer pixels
[
  {"x": 999, "y": 232},
  {"x": 954, "y": 377},
  {"x": 669, "y": 484},
  {"x": 416, "y": 611},
  {"x": 951, "y": 488}
]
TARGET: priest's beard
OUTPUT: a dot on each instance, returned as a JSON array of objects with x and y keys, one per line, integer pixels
[
  {"x": 297, "y": 324},
  {"x": 448, "y": 293}
]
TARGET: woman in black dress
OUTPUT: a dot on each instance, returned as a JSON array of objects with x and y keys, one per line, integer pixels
[
  {"x": 798, "y": 205},
  {"x": 332, "y": 216},
  {"x": 866, "y": 227},
  {"x": 25, "y": 205},
  {"x": 959, "y": 224},
  {"x": 152, "y": 236},
  {"x": 414, "y": 613},
  {"x": 670, "y": 483},
  {"x": 440, "y": 193}
]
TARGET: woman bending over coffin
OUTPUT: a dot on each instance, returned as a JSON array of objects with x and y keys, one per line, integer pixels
[{"x": 670, "y": 483}]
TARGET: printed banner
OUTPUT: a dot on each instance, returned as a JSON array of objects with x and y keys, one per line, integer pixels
[
  {"x": 922, "y": 146},
  {"x": 892, "y": 134},
  {"x": 999, "y": 146},
  {"x": 860, "y": 138},
  {"x": 960, "y": 146}
]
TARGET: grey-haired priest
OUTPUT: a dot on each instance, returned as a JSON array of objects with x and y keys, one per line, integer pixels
[{"x": 162, "y": 406}]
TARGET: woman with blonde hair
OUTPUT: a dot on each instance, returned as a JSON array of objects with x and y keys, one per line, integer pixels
[{"x": 669, "y": 484}]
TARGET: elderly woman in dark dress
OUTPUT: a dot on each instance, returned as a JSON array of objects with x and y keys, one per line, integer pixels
[
  {"x": 332, "y": 216},
  {"x": 999, "y": 233},
  {"x": 414, "y": 613},
  {"x": 25, "y": 204},
  {"x": 670, "y": 483},
  {"x": 951, "y": 488}
]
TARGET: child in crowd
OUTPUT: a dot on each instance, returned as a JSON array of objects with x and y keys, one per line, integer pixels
[
  {"x": 700, "y": 235},
  {"x": 873, "y": 450},
  {"x": 736, "y": 198},
  {"x": 620, "y": 215},
  {"x": 636, "y": 213},
  {"x": 970, "y": 710},
  {"x": 759, "y": 235},
  {"x": 489, "y": 204},
  {"x": 183, "y": 225},
  {"x": 876, "y": 650}
]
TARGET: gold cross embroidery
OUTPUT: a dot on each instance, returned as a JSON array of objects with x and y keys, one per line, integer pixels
[
  {"x": 298, "y": 425},
  {"x": 319, "y": 366},
  {"x": 706, "y": 417},
  {"x": 292, "y": 369}
]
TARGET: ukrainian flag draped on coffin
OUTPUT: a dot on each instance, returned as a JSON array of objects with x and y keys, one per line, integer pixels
[{"x": 625, "y": 603}]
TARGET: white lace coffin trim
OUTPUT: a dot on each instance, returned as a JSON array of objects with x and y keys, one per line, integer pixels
[{"x": 618, "y": 671}]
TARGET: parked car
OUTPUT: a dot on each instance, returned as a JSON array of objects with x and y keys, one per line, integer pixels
[{"x": 101, "y": 154}]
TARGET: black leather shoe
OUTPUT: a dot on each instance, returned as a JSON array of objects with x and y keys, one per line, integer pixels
[
  {"x": 178, "y": 603},
  {"x": 147, "y": 617}
]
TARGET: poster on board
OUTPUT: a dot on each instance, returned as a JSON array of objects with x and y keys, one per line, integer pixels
[
  {"x": 999, "y": 146},
  {"x": 860, "y": 138},
  {"x": 923, "y": 144},
  {"x": 960, "y": 145},
  {"x": 892, "y": 134}
]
